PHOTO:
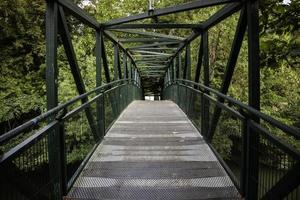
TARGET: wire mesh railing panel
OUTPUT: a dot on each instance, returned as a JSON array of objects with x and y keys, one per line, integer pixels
[
  {"x": 110, "y": 108},
  {"x": 196, "y": 109},
  {"x": 43, "y": 163},
  {"x": 259, "y": 153},
  {"x": 276, "y": 162},
  {"x": 228, "y": 142},
  {"x": 26, "y": 175},
  {"x": 79, "y": 140}
]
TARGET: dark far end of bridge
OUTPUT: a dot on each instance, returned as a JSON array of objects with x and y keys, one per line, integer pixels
[{"x": 136, "y": 149}]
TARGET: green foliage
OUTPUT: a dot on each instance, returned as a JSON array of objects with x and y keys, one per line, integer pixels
[{"x": 22, "y": 46}]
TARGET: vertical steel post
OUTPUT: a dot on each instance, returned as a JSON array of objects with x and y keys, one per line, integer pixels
[
  {"x": 129, "y": 70},
  {"x": 205, "y": 102},
  {"x": 188, "y": 62},
  {"x": 254, "y": 97},
  {"x": 54, "y": 138},
  {"x": 199, "y": 63},
  {"x": 116, "y": 61},
  {"x": 99, "y": 65},
  {"x": 174, "y": 69},
  {"x": 125, "y": 65},
  {"x": 179, "y": 66},
  {"x": 104, "y": 59},
  {"x": 171, "y": 71}
]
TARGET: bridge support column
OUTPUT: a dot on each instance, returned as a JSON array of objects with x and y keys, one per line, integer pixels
[
  {"x": 54, "y": 139},
  {"x": 254, "y": 98},
  {"x": 199, "y": 63},
  {"x": 100, "y": 103},
  {"x": 204, "y": 101},
  {"x": 187, "y": 66}
]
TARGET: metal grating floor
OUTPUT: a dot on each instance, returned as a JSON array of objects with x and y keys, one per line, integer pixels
[{"x": 153, "y": 152}]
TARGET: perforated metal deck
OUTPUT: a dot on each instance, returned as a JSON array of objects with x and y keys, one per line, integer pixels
[{"x": 153, "y": 152}]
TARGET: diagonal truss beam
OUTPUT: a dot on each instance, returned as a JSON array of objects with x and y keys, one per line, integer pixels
[
  {"x": 104, "y": 58},
  {"x": 164, "y": 11},
  {"x": 70, "y": 53},
  {"x": 79, "y": 13},
  {"x": 114, "y": 39},
  {"x": 222, "y": 14},
  {"x": 233, "y": 56},
  {"x": 225, "y": 12},
  {"x": 285, "y": 185}
]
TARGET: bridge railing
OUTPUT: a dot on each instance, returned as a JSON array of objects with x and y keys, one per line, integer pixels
[
  {"x": 25, "y": 157},
  {"x": 253, "y": 147}
]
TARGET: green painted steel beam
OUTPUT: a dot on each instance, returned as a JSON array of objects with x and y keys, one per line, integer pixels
[
  {"x": 149, "y": 56},
  {"x": 114, "y": 39},
  {"x": 71, "y": 56},
  {"x": 222, "y": 14},
  {"x": 151, "y": 34},
  {"x": 169, "y": 10},
  {"x": 159, "y": 49},
  {"x": 79, "y": 13},
  {"x": 145, "y": 40},
  {"x": 150, "y": 52},
  {"x": 156, "y": 26},
  {"x": 155, "y": 45},
  {"x": 152, "y": 66}
]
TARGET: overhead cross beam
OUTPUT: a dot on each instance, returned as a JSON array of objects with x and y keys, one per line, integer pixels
[
  {"x": 154, "y": 45},
  {"x": 169, "y": 10},
  {"x": 156, "y": 26},
  {"x": 128, "y": 40},
  {"x": 151, "y": 34},
  {"x": 159, "y": 49},
  {"x": 151, "y": 52}
]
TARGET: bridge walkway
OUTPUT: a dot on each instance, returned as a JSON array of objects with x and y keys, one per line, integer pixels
[{"x": 153, "y": 152}]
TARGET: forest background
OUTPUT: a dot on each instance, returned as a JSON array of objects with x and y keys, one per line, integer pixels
[{"x": 22, "y": 57}]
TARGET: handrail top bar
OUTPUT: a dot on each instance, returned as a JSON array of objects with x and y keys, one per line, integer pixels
[
  {"x": 289, "y": 129},
  {"x": 84, "y": 105},
  {"x": 275, "y": 140},
  {"x": 41, "y": 132},
  {"x": 168, "y": 10},
  {"x": 12, "y": 133}
]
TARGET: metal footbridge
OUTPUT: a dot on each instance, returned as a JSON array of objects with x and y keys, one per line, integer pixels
[{"x": 192, "y": 142}]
